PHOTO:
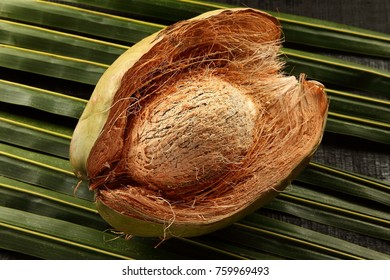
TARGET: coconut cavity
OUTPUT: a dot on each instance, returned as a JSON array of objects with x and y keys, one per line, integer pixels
[{"x": 204, "y": 128}]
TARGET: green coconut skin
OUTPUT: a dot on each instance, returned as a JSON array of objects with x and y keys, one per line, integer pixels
[{"x": 90, "y": 127}]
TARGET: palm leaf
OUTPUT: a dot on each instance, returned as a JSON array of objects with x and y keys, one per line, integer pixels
[
  {"x": 45, "y": 100},
  {"x": 359, "y": 106},
  {"x": 56, "y": 42},
  {"x": 345, "y": 182},
  {"x": 43, "y": 214},
  {"x": 35, "y": 134},
  {"x": 338, "y": 72},
  {"x": 50, "y": 65},
  {"x": 360, "y": 127}
]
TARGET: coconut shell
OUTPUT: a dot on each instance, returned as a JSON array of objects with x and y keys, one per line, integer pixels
[{"x": 196, "y": 126}]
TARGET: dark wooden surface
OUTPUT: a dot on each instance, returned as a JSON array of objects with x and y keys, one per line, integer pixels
[{"x": 348, "y": 153}]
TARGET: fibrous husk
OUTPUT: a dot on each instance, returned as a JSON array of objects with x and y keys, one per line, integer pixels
[{"x": 196, "y": 126}]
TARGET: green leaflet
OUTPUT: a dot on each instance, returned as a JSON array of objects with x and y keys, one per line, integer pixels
[
  {"x": 26, "y": 197},
  {"x": 333, "y": 212},
  {"x": 338, "y": 72},
  {"x": 359, "y": 106},
  {"x": 51, "y": 65},
  {"x": 51, "y": 241},
  {"x": 35, "y": 134},
  {"x": 64, "y": 240},
  {"x": 43, "y": 159},
  {"x": 358, "y": 127},
  {"x": 46, "y": 40},
  {"x": 41, "y": 170},
  {"x": 302, "y": 240},
  {"x": 45, "y": 100},
  {"x": 45, "y": 246},
  {"x": 329, "y": 35},
  {"x": 325, "y": 215},
  {"x": 349, "y": 205},
  {"x": 333, "y": 179},
  {"x": 34, "y": 138}
]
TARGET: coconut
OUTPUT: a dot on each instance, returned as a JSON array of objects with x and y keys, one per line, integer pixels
[{"x": 196, "y": 126}]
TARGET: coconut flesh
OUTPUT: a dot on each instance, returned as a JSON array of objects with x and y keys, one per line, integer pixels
[{"x": 196, "y": 126}]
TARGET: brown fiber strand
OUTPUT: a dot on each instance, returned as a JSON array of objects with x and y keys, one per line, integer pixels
[{"x": 170, "y": 151}]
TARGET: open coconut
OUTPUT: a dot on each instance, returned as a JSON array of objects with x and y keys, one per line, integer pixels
[{"x": 195, "y": 126}]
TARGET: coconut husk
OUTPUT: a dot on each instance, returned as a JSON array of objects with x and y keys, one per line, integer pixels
[{"x": 203, "y": 127}]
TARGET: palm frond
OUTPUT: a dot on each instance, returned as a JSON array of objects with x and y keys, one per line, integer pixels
[{"x": 46, "y": 212}]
